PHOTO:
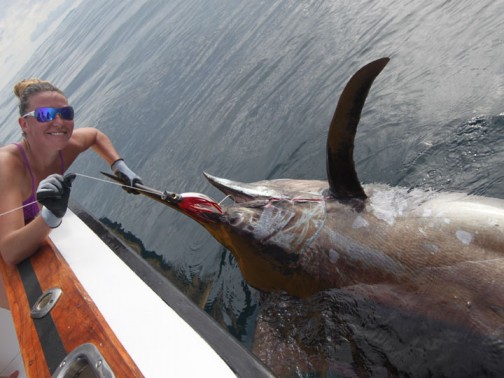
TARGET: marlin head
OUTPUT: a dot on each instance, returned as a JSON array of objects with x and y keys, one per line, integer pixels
[{"x": 269, "y": 228}]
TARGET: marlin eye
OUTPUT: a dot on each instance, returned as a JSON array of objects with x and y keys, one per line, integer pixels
[{"x": 235, "y": 219}]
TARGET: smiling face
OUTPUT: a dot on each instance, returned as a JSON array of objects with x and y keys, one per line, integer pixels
[{"x": 54, "y": 134}]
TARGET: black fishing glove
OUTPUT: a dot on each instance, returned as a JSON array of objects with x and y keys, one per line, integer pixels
[
  {"x": 53, "y": 193},
  {"x": 129, "y": 177}
]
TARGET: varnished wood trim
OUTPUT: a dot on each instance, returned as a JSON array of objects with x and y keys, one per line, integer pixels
[
  {"x": 31, "y": 349},
  {"x": 75, "y": 316},
  {"x": 51, "y": 343}
]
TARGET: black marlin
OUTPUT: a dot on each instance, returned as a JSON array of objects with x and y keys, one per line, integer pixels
[{"x": 443, "y": 253}]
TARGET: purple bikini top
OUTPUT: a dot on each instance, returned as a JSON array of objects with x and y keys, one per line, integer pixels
[{"x": 31, "y": 208}]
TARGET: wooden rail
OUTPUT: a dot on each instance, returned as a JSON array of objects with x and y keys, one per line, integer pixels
[{"x": 73, "y": 321}]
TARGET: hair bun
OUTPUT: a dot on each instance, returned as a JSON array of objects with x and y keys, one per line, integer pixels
[{"x": 20, "y": 87}]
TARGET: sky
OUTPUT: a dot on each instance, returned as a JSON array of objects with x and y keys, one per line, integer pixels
[{"x": 24, "y": 25}]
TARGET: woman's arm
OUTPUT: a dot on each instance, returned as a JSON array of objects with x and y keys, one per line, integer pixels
[
  {"x": 19, "y": 244},
  {"x": 84, "y": 138},
  {"x": 17, "y": 241},
  {"x": 88, "y": 137}
]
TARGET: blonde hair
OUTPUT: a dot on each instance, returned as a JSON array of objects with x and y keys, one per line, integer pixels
[{"x": 26, "y": 88}]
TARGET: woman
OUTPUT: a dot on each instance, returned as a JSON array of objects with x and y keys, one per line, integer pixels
[{"x": 33, "y": 169}]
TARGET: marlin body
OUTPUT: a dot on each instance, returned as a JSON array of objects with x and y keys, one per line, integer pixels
[{"x": 441, "y": 253}]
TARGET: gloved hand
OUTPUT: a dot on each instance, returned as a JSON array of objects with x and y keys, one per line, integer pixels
[
  {"x": 129, "y": 177},
  {"x": 53, "y": 193}
]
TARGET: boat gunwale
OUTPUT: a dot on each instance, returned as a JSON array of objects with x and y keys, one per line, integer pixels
[{"x": 240, "y": 360}]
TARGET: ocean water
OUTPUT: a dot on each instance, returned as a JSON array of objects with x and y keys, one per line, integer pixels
[{"x": 246, "y": 91}]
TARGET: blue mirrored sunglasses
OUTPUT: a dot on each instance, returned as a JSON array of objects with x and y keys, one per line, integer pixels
[{"x": 48, "y": 114}]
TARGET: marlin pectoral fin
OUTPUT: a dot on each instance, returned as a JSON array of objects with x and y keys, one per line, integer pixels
[{"x": 341, "y": 174}]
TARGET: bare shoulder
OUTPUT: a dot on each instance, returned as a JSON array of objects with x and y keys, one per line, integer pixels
[
  {"x": 82, "y": 139},
  {"x": 11, "y": 165},
  {"x": 10, "y": 157},
  {"x": 84, "y": 134}
]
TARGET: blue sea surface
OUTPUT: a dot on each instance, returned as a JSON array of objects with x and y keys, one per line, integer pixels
[{"x": 246, "y": 91}]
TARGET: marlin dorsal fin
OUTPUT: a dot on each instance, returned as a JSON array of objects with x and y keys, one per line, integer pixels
[{"x": 341, "y": 174}]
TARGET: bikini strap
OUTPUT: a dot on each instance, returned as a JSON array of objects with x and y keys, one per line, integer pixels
[{"x": 27, "y": 163}]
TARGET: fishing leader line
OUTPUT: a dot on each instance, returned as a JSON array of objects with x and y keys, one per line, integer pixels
[
  {"x": 96, "y": 179},
  {"x": 86, "y": 176},
  {"x": 17, "y": 208},
  {"x": 132, "y": 187},
  {"x": 115, "y": 183}
]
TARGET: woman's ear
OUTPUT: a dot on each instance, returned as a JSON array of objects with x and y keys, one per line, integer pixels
[{"x": 24, "y": 124}]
